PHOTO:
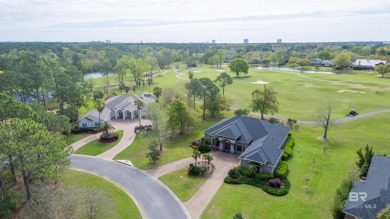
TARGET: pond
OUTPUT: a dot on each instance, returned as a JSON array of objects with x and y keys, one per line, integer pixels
[
  {"x": 95, "y": 75},
  {"x": 287, "y": 69}
]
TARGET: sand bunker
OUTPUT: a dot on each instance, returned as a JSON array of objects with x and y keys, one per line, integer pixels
[
  {"x": 260, "y": 82},
  {"x": 351, "y": 91},
  {"x": 196, "y": 71},
  {"x": 219, "y": 70}
]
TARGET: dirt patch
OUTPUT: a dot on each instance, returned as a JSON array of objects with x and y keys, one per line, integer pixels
[
  {"x": 321, "y": 138},
  {"x": 260, "y": 82},
  {"x": 350, "y": 91}
]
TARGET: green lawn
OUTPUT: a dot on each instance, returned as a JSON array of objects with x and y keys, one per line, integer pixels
[
  {"x": 325, "y": 175},
  {"x": 309, "y": 91},
  {"x": 123, "y": 205},
  {"x": 177, "y": 148},
  {"x": 184, "y": 186},
  {"x": 72, "y": 138},
  {"x": 95, "y": 147}
]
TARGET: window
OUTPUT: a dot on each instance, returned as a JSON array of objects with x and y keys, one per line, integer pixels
[
  {"x": 84, "y": 124},
  {"x": 239, "y": 148},
  {"x": 96, "y": 124}
]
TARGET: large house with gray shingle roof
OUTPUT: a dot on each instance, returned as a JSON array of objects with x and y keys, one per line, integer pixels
[
  {"x": 368, "y": 197},
  {"x": 367, "y": 64},
  {"x": 117, "y": 107},
  {"x": 258, "y": 142}
]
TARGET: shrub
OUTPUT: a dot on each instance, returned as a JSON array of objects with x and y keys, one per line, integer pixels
[
  {"x": 283, "y": 190},
  {"x": 341, "y": 196},
  {"x": 264, "y": 176},
  {"x": 197, "y": 142},
  {"x": 207, "y": 142},
  {"x": 109, "y": 138},
  {"x": 234, "y": 173},
  {"x": 230, "y": 180},
  {"x": 194, "y": 170},
  {"x": 284, "y": 156},
  {"x": 274, "y": 120},
  {"x": 282, "y": 169},
  {"x": 204, "y": 148},
  {"x": 98, "y": 94},
  {"x": 275, "y": 183},
  {"x": 203, "y": 170},
  {"x": 241, "y": 170}
]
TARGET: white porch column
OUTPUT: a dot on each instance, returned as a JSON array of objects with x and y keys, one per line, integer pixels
[
  {"x": 116, "y": 114},
  {"x": 231, "y": 148}
]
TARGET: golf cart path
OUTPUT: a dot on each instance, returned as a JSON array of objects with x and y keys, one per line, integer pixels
[
  {"x": 153, "y": 199},
  {"x": 336, "y": 121}
]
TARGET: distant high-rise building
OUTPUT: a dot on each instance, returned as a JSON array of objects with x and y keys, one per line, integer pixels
[
  {"x": 246, "y": 41},
  {"x": 212, "y": 41},
  {"x": 279, "y": 41}
]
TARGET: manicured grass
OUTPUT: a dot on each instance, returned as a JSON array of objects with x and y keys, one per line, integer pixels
[
  {"x": 177, "y": 148},
  {"x": 308, "y": 91},
  {"x": 123, "y": 205},
  {"x": 184, "y": 186},
  {"x": 325, "y": 174},
  {"x": 95, "y": 147},
  {"x": 72, "y": 138}
]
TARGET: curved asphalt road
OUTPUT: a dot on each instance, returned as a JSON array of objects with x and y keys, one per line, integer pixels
[{"x": 152, "y": 198}]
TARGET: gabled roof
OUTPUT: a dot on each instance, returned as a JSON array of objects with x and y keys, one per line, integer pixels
[
  {"x": 116, "y": 102},
  {"x": 368, "y": 62},
  {"x": 264, "y": 139},
  {"x": 377, "y": 188}
]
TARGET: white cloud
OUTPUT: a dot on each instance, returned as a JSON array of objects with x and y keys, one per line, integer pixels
[{"x": 196, "y": 20}]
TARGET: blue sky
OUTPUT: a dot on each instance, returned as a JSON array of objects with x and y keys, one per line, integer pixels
[{"x": 194, "y": 20}]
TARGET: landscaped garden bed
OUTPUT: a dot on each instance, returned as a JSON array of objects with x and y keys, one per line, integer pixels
[
  {"x": 277, "y": 185},
  {"x": 267, "y": 182}
]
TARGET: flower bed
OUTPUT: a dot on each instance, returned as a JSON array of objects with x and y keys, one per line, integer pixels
[{"x": 108, "y": 138}]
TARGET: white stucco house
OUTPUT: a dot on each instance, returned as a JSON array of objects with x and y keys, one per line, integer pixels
[{"x": 117, "y": 107}]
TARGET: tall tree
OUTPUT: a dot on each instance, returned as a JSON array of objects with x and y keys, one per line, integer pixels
[
  {"x": 239, "y": 65},
  {"x": 157, "y": 113},
  {"x": 179, "y": 117},
  {"x": 122, "y": 67},
  {"x": 265, "y": 101},
  {"x": 302, "y": 62},
  {"x": 215, "y": 105},
  {"x": 221, "y": 56},
  {"x": 139, "y": 104},
  {"x": 222, "y": 80},
  {"x": 99, "y": 106},
  {"x": 382, "y": 69},
  {"x": 342, "y": 60},
  {"x": 38, "y": 153},
  {"x": 193, "y": 88},
  {"x": 137, "y": 68},
  {"x": 196, "y": 154},
  {"x": 323, "y": 116},
  {"x": 153, "y": 153},
  {"x": 209, "y": 91},
  {"x": 157, "y": 92}
]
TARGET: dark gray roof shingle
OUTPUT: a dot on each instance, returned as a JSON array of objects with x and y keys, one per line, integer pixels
[{"x": 265, "y": 139}]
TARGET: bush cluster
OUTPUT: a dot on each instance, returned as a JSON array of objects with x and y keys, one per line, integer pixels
[
  {"x": 341, "y": 196},
  {"x": 282, "y": 169},
  {"x": 109, "y": 138},
  {"x": 264, "y": 176},
  {"x": 196, "y": 170},
  {"x": 288, "y": 147},
  {"x": 274, "y": 120},
  {"x": 283, "y": 190},
  {"x": 275, "y": 183},
  {"x": 77, "y": 130},
  {"x": 203, "y": 148}
]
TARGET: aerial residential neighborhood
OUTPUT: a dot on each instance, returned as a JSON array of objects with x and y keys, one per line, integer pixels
[{"x": 194, "y": 109}]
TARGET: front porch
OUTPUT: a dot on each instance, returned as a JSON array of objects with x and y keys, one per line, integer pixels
[
  {"x": 125, "y": 114},
  {"x": 230, "y": 146}
]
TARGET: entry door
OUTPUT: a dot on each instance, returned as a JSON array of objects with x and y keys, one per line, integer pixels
[{"x": 226, "y": 146}]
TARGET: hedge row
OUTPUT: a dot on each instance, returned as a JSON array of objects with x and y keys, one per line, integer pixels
[
  {"x": 261, "y": 184},
  {"x": 288, "y": 147},
  {"x": 281, "y": 170}
]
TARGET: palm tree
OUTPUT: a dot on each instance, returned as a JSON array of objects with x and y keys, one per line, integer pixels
[
  {"x": 207, "y": 157},
  {"x": 107, "y": 128},
  {"x": 99, "y": 106},
  {"x": 139, "y": 105},
  {"x": 196, "y": 154}
]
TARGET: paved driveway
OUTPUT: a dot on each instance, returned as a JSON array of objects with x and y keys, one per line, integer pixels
[{"x": 152, "y": 198}]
